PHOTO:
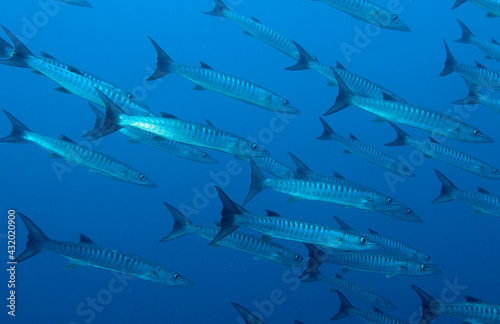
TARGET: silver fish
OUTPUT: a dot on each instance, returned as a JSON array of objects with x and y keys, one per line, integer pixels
[
  {"x": 492, "y": 49},
  {"x": 492, "y": 6},
  {"x": 207, "y": 78},
  {"x": 375, "y": 317},
  {"x": 434, "y": 149},
  {"x": 255, "y": 28},
  {"x": 338, "y": 283},
  {"x": 87, "y": 253},
  {"x": 370, "y": 12},
  {"x": 70, "y": 151},
  {"x": 275, "y": 226},
  {"x": 483, "y": 201},
  {"x": 236, "y": 240},
  {"x": 402, "y": 113},
  {"x": 473, "y": 310},
  {"x": 353, "y": 145},
  {"x": 479, "y": 75}
]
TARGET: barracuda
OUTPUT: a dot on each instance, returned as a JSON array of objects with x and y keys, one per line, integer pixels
[
  {"x": 140, "y": 136},
  {"x": 492, "y": 49},
  {"x": 207, "y": 78},
  {"x": 375, "y": 317},
  {"x": 473, "y": 310},
  {"x": 87, "y": 253},
  {"x": 275, "y": 226},
  {"x": 479, "y": 75},
  {"x": 236, "y": 240},
  {"x": 402, "y": 113},
  {"x": 272, "y": 166},
  {"x": 388, "y": 264},
  {"x": 483, "y": 201},
  {"x": 476, "y": 97},
  {"x": 338, "y": 283},
  {"x": 389, "y": 245},
  {"x": 370, "y": 12},
  {"x": 73, "y": 80},
  {"x": 338, "y": 192},
  {"x": 304, "y": 172},
  {"x": 356, "y": 83},
  {"x": 255, "y": 28},
  {"x": 492, "y": 6},
  {"x": 173, "y": 128},
  {"x": 434, "y": 149},
  {"x": 70, "y": 151},
  {"x": 353, "y": 145}
]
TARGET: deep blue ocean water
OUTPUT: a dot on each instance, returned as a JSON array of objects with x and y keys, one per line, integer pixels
[{"x": 110, "y": 40}]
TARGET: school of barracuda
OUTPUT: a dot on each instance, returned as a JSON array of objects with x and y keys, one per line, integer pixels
[{"x": 351, "y": 249}]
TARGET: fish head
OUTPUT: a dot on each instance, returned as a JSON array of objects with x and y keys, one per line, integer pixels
[
  {"x": 404, "y": 213},
  {"x": 168, "y": 277},
  {"x": 490, "y": 172},
  {"x": 247, "y": 149},
  {"x": 136, "y": 177},
  {"x": 355, "y": 242},
  {"x": 424, "y": 258},
  {"x": 280, "y": 104},
  {"x": 203, "y": 157},
  {"x": 420, "y": 269},
  {"x": 402, "y": 169},
  {"x": 291, "y": 259},
  {"x": 386, "y": 19},
  {"x": 469, "y": 133},
  {"x": 384, "y": 302}
]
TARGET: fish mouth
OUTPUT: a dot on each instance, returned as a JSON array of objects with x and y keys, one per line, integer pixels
[
  {"x": 486, "y": 139},
  {"x": 291, "y": 110},
  {"x": 150, "y": 184},
  {"x": 185, "y": 283}
]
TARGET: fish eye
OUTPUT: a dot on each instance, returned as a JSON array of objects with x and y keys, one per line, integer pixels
[
  {"x": 297, "y": 257},
  {"x": 389, "y": 200},
  {"x": 286, "y": 102},
  {"x": 314, "y": 58},
  {"x": 142, "y": 176},
  {"x": 423, "y": 267},
  {"x": 255, "y": 147},
  {"x": 176, "y": 276},
  {"x": 427, "y": 257},
  {"x": 363, "y": 240},
  {"x": 495, "y": 170},
  {"x": 395, "y": 18},
  {"x": 387, "y": 302},
  {"x": 130, "y": 96},
  {"x": 204, "y": 154},
  {"x": 405, "y": 168},
  {"x": 409, "y": 211},
  {"x": 476, "y": 132}
]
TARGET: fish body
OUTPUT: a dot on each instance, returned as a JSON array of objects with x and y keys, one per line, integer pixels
[
  {"x": 473, "y": 310},
  {"x": 70, "y": 151},
  {"x": 492, "y": 49},
  {"x": 87, "y": 253},
  {"x": 370, "y": 12},
  {"x": 353, "y": 145},
  {"x": 476, "y": 97},
  {"x": 207, "y": 78},
  {"x": 432, "y": 148},
  {"x": 275, "y": 226},
  {"x": 236, "y": 240},
  {"x": 272, "y": 166},
  {"x": 492, "y": 6},
  {"x": 403, "y": 113},
  {"x": 255, "y": 28},
  {"x": 483, "y": 201}
]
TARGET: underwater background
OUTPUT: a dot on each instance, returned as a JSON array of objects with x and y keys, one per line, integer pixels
[{"x": 110, "y": 41}]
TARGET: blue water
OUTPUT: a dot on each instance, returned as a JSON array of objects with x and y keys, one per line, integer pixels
[{"x": 110, "y": 40}]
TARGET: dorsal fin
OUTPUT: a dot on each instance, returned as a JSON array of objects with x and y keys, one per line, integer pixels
[
  {"x": 256, "y": 20},
  {"x": 206, "y": 66},
  {"x": 271, "y": 213},
  {"x": 353, "y": 137},
  {"x": 338, "y": 175},
  {"x": 388, "y": 97},
  {"x": 209, "y": 123},
  {"x": 484, "y": 191},
  {"x": 494, "y": 41},
  {"x": 66, "y": 139},
  {"x": 340, "y": 66},
  {"x": 479, "y": 65},
  {"x": 48, "y": 56},
  {"x": 471, "y": 299},
  {"x": 302, "y": 168},
  {"x": 85, "y": 239},
  {"x": 342, "y": 224},
  {"x": 373, "y": 231},
  {"x": 167, "y": 115},
  {"x": 433, "y": 140},
  {"x": 339, "y": 276}
]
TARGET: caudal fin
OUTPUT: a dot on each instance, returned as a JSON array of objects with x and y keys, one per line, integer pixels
[
  {"x": 20, "y": 53},
  {"x": 328, "y": 132},
  {"x": 313, "y": 276},
  {"x": 229, "y": 211},
  {"x": 473, "y": 96},
  {"x": 219, "y": 9},
  {"x": 163, "y": 64},
  {"x": 305, "y": 59},
  {"x": 181, "y": 224},
  {"x": 458, "y": 3},
  {"x": 110, "y": 123},
  {"x": 247, "y": 316},
  {"x": 450, "y": 63},
  {"x": 80, "y": 3},
  {"x": 446, "y": 191},
  {"x": 302, "y": 169},
  {"x": 344, "y": 98},
  {"x": 5, "y": 49},
  {"x": 18, "y": 130},
  {"x": 316, "y": 258},
  {"x": 429, "y": 306},
  {"x": 467, "y": 35},
  {"x": 257, "y": 182},
  {"x": 401, "y": 139},
  {"x": 345, "y": 306},
  {"x": 35, "y": 238}
]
